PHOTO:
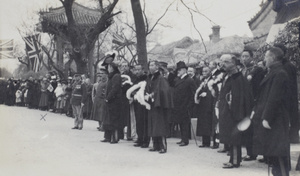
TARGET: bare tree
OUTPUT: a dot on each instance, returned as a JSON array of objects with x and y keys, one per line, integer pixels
[
  {"x": 83, "y": 40},
  {"x": 140, "y": 32},
  {"x": 193, "y": 11}
]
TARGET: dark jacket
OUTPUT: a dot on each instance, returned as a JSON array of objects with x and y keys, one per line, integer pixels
[
  {"x": 205, "y": 112},
  {"x": 291, "y": 70},
  {"x": 78, "y": 94},
  {"x": 272, "y": 106},
  {"x": 184, "y": 91}
]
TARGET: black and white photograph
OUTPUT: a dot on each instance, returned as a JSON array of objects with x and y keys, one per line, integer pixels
[{"x": 149, "y": 87}]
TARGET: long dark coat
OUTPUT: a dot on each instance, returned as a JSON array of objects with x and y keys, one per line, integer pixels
[
  {"x": 291, "y": 70},
  {"x": 184, "y": 91},
  {"x": 160, "y": 108},
  {"x": 36, "y": 94},
  {"x": 99, "y": 111},
  {"x": 272, "y": 106},
  {"x": 205, "y": 113},
  {"x": 113, "y": 98},
  {"x": 125, "y": 109},
  {"x": 237, "y": 87}
]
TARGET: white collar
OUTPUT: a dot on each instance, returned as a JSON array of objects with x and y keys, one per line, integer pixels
[{"x": 183, "y": 75}]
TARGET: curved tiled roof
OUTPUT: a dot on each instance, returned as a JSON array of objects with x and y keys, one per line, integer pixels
[
  {"x": 82, "y": 15},
  {"x": 263, "y": 8}
]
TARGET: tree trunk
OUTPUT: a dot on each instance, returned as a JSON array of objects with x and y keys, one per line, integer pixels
[
  {"x": 81, "y": 66},
  {"x": 140, "y": 32},
  {"x": 59, "y": 48}
]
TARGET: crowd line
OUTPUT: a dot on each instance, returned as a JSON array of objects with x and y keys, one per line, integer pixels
[{"x": 236, "y": 100}]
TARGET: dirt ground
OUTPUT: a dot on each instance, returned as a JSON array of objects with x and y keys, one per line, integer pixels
[{"x": 30, "y": 146}]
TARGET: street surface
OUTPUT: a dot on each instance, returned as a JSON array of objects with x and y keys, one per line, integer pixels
[{"x": 31, "y": 146}]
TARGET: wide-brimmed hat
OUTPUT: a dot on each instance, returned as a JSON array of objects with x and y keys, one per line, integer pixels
[
  {"x": 109, "y": 58},
  {"x": 180, "y": 65}
]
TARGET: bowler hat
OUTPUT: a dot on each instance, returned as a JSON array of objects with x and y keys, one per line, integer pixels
[{"x": 180, "y": 65}]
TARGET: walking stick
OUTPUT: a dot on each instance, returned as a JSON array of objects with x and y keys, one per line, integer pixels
[{"x": 193, "y": 129}]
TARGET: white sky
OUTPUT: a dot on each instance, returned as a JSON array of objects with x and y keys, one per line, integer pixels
[{"x": 231, "y": 15}]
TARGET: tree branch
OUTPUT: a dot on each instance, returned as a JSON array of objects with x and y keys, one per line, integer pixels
[
  {"x": 130, "y": 27},
  {"x": 145, "y": 17},
  {"x": 148, "y": 32},
  {"x": 194, "y": 25},
  {"x": 22, "y": 62},
  {"x": 101, "y": 5}
]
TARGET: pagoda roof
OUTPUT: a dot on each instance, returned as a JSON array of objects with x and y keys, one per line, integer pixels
[
  {"x": 82, "y": 15},
  {"x": 264, "y": 6}
]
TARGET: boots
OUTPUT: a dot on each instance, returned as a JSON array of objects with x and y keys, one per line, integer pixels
[{"x": 114, "y": 137}]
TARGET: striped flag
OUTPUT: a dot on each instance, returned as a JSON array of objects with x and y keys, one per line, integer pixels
[
  {"x": 33, "y": 49},
  {"x": 6, "y": 49}
]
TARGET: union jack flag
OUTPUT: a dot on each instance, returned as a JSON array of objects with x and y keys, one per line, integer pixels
[
  {"x": 6, "y": 49},
  {"x": 33, "y": 49}
]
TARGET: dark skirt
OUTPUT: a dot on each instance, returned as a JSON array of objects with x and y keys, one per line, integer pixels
[{"x": 44, "y": 99}]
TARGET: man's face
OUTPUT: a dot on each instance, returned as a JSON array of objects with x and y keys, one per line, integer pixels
[
  {"x": 138, "y": 70},
  {"x": 269, "y": 59},
  {"x": 153, "y": 67},
  {"x": 124, "y": 67},
  {"x": 212, "y": 65},
  {"x": 181, "y": 72},
  {"x": 205, "y": 72},
  {"x": 246, "y": 58},
  {"x": 227, "y": 63},
  {"x": 77, "y": 78},
  {"x": 83, "y": 77},
  {"x": 191, "y": 71}
]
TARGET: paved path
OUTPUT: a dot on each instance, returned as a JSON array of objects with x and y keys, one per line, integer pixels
[{"x": 33, "y": 147}]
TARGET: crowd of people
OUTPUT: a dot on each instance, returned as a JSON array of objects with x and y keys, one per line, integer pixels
[{"x": 236, "y": 101}]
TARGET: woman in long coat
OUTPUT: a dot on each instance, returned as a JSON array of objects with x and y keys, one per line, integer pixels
[
  {"x": 111, "y": 122},
  {"x": 99, "y": 111}
]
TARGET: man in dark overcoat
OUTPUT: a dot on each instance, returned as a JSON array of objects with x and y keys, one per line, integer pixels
[
  {"x": 254, "y": 75},
  {"x": 234, "y": 104},
  {"x": 215, "y": 81},
  {"x": 125, "y": 110},
  {"x": 271, "y": 118},
  {"x": 184, "y": 91},
  {"x": 159, "y": 96},
  {"x": 205, "y": 104},
  {"x": 141, "y": 113},
  {"x": 291, "y": 70}
]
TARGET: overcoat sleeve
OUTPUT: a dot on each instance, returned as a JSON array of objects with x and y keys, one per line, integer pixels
[
  {"x": 276, "y": 95},
  {"x": 242, "y": 100}
]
